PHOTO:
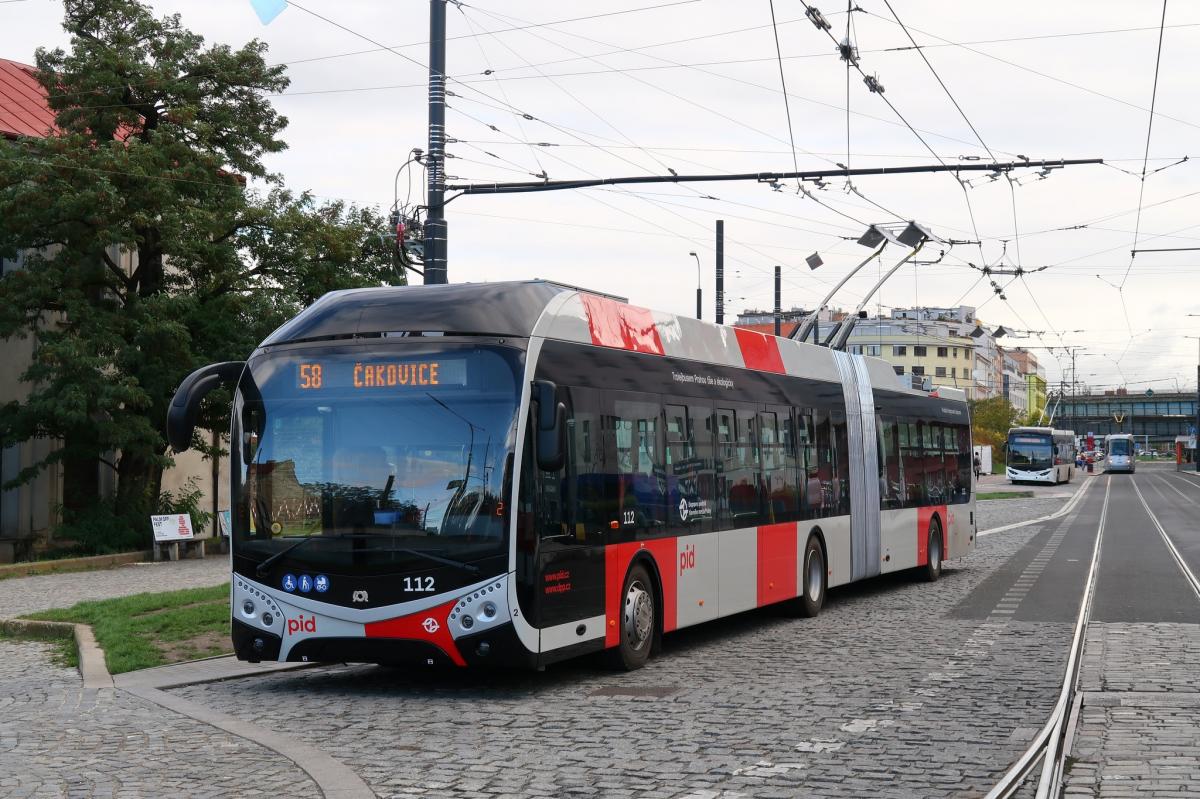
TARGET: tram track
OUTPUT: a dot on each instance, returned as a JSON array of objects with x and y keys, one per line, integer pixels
[{"x": 1049, "y": 746}]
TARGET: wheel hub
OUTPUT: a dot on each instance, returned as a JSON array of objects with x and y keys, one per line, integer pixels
[{"x": 638, "y": 615}]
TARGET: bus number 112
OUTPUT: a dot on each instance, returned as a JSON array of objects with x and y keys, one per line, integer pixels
[{"x": 422, "y": 585}]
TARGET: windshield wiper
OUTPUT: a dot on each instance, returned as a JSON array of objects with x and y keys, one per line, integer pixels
[{"x": 264, "y": 568}]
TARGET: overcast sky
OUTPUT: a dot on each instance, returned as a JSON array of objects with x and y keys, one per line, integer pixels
[{"x": 695, "y": 87}]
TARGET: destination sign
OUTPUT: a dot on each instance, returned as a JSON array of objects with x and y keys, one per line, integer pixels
[
  {"x": 1030, "y": 440},
  {"x": 396, "y": 375}
]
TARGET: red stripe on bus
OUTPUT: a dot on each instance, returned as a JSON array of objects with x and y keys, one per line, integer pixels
[
  {"x": 776, "y": 563},
  {"x": 426, "y": 625},
  {"x": 924, "y": 515},
  {"x": 759, "y": 351},
  {"x": 621, "y": 326},
  {"x": 616, "y": 565}
]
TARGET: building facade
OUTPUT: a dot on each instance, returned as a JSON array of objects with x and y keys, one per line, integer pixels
[{"x": 30, "y": 512}]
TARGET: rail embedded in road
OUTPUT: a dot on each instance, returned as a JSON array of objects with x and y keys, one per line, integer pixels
[
  {"x": 1048, "y": 745},
  {"x": 1187, "y": 572}
]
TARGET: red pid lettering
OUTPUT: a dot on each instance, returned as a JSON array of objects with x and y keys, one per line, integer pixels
[
  {"x": 687, "y": 558},
  {"x": 302, "y": 625}
]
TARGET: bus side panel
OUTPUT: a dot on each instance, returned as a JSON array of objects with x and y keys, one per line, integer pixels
[
  {"x": 699, "y": 574},
  {"x": 738, "y": 570},
  {"x": 778, "y": 561},
  {"x": 960, "y": 530},
  {"x": 836, "y": 530},
  {"x": 900, "y": 547},
  {"x": 664, "y": 552}
]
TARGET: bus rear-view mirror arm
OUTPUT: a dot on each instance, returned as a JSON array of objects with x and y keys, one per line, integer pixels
[
  {"x": 181, "y": 415},
  {"x": 551, "y": 429}
]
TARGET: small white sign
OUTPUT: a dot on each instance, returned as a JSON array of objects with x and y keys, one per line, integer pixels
[
  {"x": 172, "y": 527},
  {"x": 226, "y": 522}
]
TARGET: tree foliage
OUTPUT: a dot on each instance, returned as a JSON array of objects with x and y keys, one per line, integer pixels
[
  {"x": 991, "y": 419},
  {"x": 159, "y": 137}
]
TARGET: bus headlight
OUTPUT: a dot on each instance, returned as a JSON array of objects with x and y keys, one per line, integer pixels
[{"x": 248, "y": 608}]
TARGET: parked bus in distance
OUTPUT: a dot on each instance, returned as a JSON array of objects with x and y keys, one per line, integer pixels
[
  {"x": 517, "y": 473},
  {"x": 1121, "y": 453},
  {"x": 1040, "y": 455}
]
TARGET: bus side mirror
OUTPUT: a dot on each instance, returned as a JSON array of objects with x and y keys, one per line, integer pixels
[
  {"x": 181, "y": 415},
  {"x": 551, "y": 427}
]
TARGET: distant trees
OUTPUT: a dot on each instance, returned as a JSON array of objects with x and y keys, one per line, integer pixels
[
  {"x": 991, "y": 419},
  {"x": 159, "y": 135}
]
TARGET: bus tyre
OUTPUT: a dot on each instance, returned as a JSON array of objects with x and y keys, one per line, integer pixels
[
  {"x": 638, "y": 621},
  {"x": 933, "y": 563},
  {"x": 812, "y": 582}
]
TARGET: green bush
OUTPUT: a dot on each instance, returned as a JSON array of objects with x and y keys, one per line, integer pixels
[
  {"x": 186, "y": 501},
  {"x": 101, "y": 530}
]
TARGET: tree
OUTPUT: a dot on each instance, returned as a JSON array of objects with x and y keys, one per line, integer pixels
[
  {"x": 159, "y": 136},
  {"x": 991, "y": 419}
]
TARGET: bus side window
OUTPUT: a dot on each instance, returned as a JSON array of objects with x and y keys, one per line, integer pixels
[
  {"x": 738, "y": 446},
  {"x": 912, "y": 465},
  {"x": 824, "y": 503},
  {"x": 931, "y": 447},
  {"x": 891, "y": 487},
  {"x": 841, "y": 482},
  {"x": 780, "y": 480},
  {"x": 965, "y": 462},
  {"x": 702, "y": 505},
  {"x": 640, "y": 483},
  {"x": 593, "y": 507}
]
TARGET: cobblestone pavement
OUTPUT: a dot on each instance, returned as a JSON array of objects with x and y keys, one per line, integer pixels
[
  {"x": 1139, "y": 723},
  {"x": 58, "y": 740},
  {"x": 23, "y": 595},
  {"x": 999, "y": 512},
  {"x": 887, "y": 693}
]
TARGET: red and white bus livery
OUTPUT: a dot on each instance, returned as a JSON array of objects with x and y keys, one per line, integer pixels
[{"x": 517, "y": 473}]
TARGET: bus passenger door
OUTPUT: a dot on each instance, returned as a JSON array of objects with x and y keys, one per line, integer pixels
[{"x": 571, "y": 524}]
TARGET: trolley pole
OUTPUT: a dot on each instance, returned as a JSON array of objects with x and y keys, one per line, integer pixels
[
  {"x": 720, "y": 271},
  {"x": 435, "y": 160},
  {"x": 778, "y": 291}
]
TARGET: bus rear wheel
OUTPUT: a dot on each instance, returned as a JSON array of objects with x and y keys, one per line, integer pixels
[
  {"x": 638, "y": 622},
  {"x": 812, "y": 582},
  {"x": 933, "y": 563}
]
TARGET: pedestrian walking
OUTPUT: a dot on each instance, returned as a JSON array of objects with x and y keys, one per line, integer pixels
[{"x": 978, "y": 467}]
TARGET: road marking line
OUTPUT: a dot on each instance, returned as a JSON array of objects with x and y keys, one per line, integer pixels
[{"x": 1064, "y": 510}]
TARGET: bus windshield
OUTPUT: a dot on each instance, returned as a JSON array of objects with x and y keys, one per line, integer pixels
[
  {"x": 387, "y": 459},
  {"x": 1029, "y": 452},
  {"x": 1118, "y": 446}
]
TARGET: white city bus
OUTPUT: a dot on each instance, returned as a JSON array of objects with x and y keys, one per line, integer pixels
[
  {"x": 1040, "y": 455},
  {"x": 517, "y": 473},
  {"x": 1120, "y": 453}
]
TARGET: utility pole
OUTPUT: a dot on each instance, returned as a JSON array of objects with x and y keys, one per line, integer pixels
[
  {"x": 778, "y": 291},
  {"x": 720, "y": 271},
  {"x": 435, "y": 159}
]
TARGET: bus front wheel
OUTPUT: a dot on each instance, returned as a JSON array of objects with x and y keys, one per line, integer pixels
[{"x": 638, "y": 621}]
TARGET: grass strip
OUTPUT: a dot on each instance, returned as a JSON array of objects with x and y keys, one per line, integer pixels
[
  {"x": 1004, "y": 495},
  {"x": 63, "y": 640},
  {"x": 145, "y": 630}
]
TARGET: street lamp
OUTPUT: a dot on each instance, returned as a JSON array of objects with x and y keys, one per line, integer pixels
[{"x": 698, "y": 303}]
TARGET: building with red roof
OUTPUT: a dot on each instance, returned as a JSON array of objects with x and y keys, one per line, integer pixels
[{"x": 23, "y": 107}]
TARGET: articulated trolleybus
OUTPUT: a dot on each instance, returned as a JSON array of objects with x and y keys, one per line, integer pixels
[
  {"x": 1040, "y": 455},
  {"x": 517, "y": 473}
]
